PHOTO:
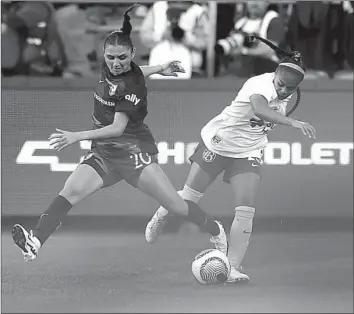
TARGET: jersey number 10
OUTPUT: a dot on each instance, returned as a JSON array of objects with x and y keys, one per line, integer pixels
[{"x": 141, "y": 159}]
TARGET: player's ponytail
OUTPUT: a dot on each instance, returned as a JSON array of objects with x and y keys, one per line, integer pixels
[
  {"x": 278, "y": 50},
  {"x": 289, "y": 58},
  {"x": 127, "y": 26},
  {"x": 286, "y": 56},
  {"x": 122, "y": 37}
]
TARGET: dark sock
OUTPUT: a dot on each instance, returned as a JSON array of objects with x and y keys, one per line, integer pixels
[
  {"x": 51, "y": 219},
  {"x": 201, "y": 219}
]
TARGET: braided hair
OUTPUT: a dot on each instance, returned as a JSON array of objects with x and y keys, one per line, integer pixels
[
  {"x": 122, "y": 37},
  {"x": 288, "y": 58}
]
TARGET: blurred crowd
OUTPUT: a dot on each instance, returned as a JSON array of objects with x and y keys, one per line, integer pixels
[{"x": 42, "y": 38}]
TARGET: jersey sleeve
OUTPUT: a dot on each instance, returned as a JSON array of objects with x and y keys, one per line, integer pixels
[
  {"x": 125, "y": 106},
  {"x": 255, "y": 86},
  {"x": 259, "y": 87}
]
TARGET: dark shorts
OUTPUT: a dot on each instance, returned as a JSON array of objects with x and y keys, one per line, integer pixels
[
  {"x": 215, "y": 164},
  {"x": 113, "y": 170}
]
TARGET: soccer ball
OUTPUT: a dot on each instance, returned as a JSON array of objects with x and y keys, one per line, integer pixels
[{"x": 211, "y": 266}]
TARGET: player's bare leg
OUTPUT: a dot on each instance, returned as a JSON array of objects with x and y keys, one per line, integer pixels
[
  {"x": 197, "y": 183},
  {"x": 245, "y": 187},
  {"x": 154, "y": 182},
  {"x": 81, "y": 183},
  {"x": 157, "y": 222},
  {"x": 159, "y": 219}
]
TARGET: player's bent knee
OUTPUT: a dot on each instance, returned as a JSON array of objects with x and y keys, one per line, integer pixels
[
  {"x": 245, "y": 198},
  {"x": 81, "y": 183},
  {"x": 245, "y": 187},
  {"x": 73, "y": 194}
]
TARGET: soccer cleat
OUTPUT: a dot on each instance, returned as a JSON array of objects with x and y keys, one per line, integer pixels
[
  {"x": 237, "y": 277},
  {"x": 28, "y": 244},
  {"x": 154, "y": 227},
  {"x": 220, "y": 241}
]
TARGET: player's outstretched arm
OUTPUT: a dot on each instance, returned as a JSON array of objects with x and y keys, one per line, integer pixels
[
  {"x": 263, "y": 111},
  {"x": 62, "y": 138},
  {"x": 115, "y": 129},
  {"x": 150, "y": 69},
  {"x": 166, "y": 69}
]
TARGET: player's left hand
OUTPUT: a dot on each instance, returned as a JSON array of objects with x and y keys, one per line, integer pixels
[
  {"x": 62, "y": 139},
  {"x": 172, "y": 68}
]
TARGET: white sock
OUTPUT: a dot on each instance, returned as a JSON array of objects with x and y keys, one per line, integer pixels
[
  {"x": 240, "y": 234},
  {"x": 187, "y": 194}
]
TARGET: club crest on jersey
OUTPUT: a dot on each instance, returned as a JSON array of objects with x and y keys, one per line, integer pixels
[
  {"x": 215, "y": 140},
  {"x": 114, "y": 89},
  {"x": 208, "y": 156}
]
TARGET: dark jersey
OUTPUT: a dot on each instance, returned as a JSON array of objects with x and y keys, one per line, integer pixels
[{"x": 123, "y": 93}]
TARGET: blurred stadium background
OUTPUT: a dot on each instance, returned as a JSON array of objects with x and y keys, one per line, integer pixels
[{"x": 303, "y": 236}]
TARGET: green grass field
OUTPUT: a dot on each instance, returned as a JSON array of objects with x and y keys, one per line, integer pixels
[{"x": 117, "y": 272}]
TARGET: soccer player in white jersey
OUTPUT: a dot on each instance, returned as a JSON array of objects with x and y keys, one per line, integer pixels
[{"x": 233, "y": 143}]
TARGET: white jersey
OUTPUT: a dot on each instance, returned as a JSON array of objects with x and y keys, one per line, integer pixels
[{"x": 236, "y": 132}]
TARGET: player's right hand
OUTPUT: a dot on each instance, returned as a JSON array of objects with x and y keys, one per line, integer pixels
[
  {"x": 62, "y": 139},
  {"x": 306, "y": 128}
]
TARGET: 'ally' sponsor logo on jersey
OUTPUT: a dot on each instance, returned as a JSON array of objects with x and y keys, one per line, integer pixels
[{"x": 133, "y": 98}]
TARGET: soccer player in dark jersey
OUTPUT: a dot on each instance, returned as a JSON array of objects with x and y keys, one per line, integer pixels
[{"x": 123, "y": 148}]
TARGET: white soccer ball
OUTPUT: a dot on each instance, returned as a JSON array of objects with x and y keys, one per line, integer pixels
[{"x": 211, "y": 266}]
